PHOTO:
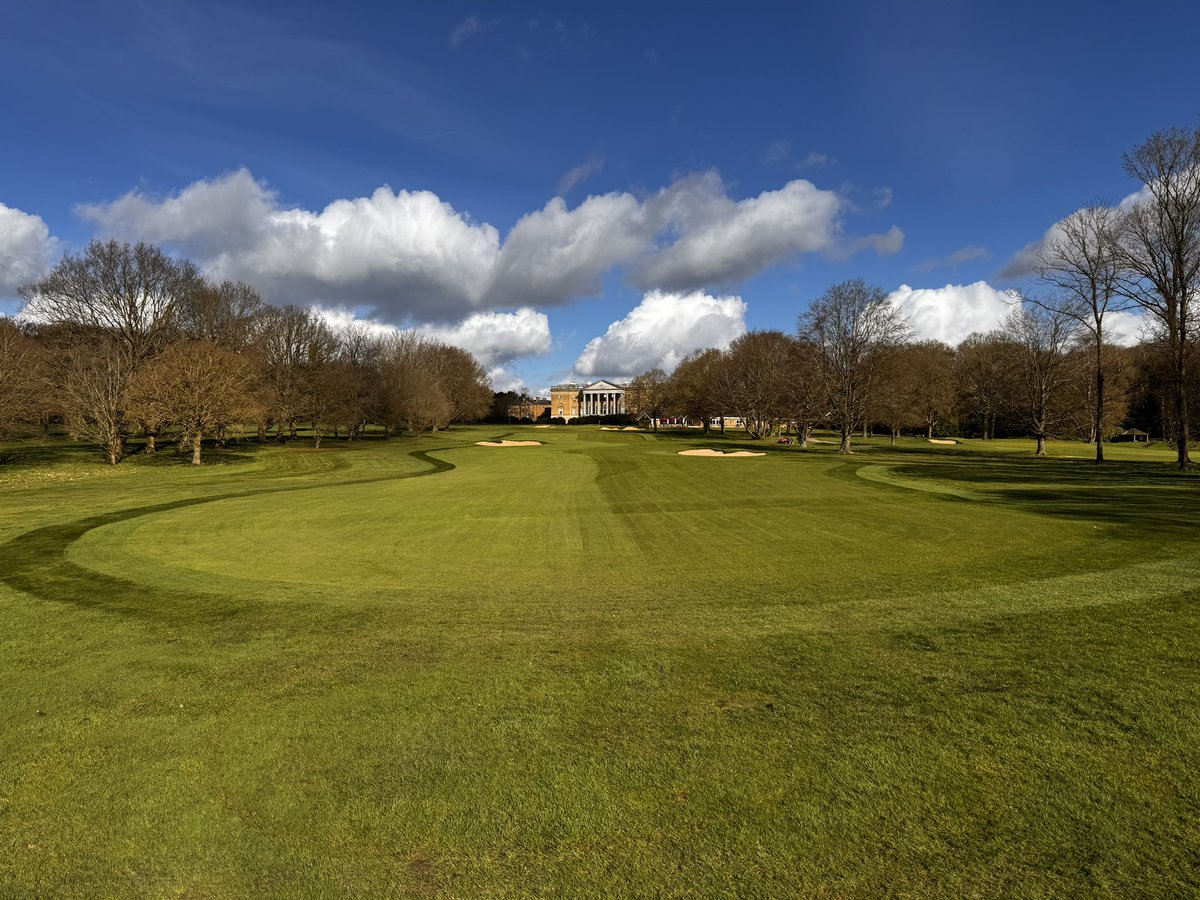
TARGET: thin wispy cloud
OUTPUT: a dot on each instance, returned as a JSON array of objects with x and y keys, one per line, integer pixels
[
  {"x": 816, "y": 160},
  {"x": 777, "y": 151},
  {"x": 470, "y": 27},
  {"x": 955, "y": 259},
  {"x": 580, "y": 174}
]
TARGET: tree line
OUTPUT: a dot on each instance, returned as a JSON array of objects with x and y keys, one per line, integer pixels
[
  {"x": 124, "y": 341},
  {"x": 1050, "y": 370}
]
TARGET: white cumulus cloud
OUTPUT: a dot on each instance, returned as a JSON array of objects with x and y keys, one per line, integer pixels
[
  {"x": 660, "y": 331},
  {"x": 402, "y": 253},
  {"x": 952, "y": 312},
  {"x": 556, "y": 254},
  {"x": 26, "y": 249},
  {"x": 409, "y": 256},
  {"x": 719, "y": 240},
  {"x": 496, "y": 337}
]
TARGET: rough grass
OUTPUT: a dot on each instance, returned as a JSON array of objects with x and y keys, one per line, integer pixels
[{"x": 597, "y": 668}]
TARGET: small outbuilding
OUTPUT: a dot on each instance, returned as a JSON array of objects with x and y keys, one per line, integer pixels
[{"x": 1132, "y": 435}]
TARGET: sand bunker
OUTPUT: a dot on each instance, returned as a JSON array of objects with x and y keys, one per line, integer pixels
[
  {"x": 508, "y": 443},
  {"x": 631, "y": 428},
  {"x": 543, "y": 426},
  {"x": 707, "y": 452},
  {"x": 940, "y": 441},
  {"x": 609, "y": 428}
]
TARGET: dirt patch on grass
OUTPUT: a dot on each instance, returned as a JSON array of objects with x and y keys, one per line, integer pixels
[
  {"x": 508, "y": 443},
  {"x": 708, "y": 452}
]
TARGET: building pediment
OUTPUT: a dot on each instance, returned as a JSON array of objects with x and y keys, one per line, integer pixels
[{"x": 603, "y": 386}]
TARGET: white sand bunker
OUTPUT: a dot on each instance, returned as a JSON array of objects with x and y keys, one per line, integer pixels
[
  {"x": 631, "y": 428},
  {"x": 940, "y": 441},
  {"x": 508, "y": 443},
  {"x": 609, "y": 428},
  {"x": 707, "y": 452}
]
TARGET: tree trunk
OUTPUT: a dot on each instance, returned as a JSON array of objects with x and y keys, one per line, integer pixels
[
  {"x": 895, "y": 431},
  {"x": 1041, "y": 445},
  {"x": 929, "y": 430},
  {"x": 196, "y": 447},
  {"x": 845, "y": 447},
  {"x": 150, "y": 448},
  {"x": 1099, "y": 402},
  {"x": 1181, "y": 410}
]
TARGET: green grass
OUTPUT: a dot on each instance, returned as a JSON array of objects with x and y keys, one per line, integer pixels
[{"x": 596, "y": 668}]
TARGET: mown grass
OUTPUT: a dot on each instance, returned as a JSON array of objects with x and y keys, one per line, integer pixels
[{"x": 596, "y": 668}]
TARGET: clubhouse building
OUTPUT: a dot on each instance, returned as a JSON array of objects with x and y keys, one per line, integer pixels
[{"x": 600, "y": 398}]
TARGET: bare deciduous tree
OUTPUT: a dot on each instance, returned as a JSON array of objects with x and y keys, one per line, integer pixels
[
  {"x": 694, "y": 385},
  {"x": 755, "y": 380},
  {"x": 1082, "y": 262},
  {"x": 130, "y": 291},
  {"x": 649, "y": 394},
  {"x": 982, "y": 372},
  {"x": 92, "y": 378},
  {"x": 198, "y": 386},
  {"x": 1159, "y": 247},
  {"x": 852, "y": 325},
  {"x": 23, "y": 375},
  {"x": 1041, "y": 336}
]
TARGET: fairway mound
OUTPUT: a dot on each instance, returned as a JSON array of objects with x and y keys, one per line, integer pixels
[
  {"x": 708, "y": 452},
  {"x": 508, "y": 443},
  {"x": 940, "y": 441}
]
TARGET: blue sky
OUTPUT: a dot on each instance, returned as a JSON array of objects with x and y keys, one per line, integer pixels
[{"x": 581, "y": 189}]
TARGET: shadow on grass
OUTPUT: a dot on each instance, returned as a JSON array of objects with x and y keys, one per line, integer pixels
[
  {"x": 35, "y": 562},
  {"x": 1142, "y": 495}
]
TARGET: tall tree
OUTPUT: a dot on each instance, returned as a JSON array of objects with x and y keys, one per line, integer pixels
[
  {"x": 755, "y": 379},
  {"x": 132, "y": 293},
  {"x": 1159, "y": 246},
  {"x": 293, "y": 344},
  {"x": 1041, "y": 336},
  {"x": 694, "y": 385},
  {"x": 1081, "y": 261},
  {"x": 91, "y": 386},
  {"x": 805, "y": 400},
  {"x": 983, "y": 378},
  {"x": 649, "y": 394},
  {"x": 199, "y": 386},
  {"x": 852, "y": 325},
  {"x": 929, "y": 370},
  {"x": 23, "y": 373}
]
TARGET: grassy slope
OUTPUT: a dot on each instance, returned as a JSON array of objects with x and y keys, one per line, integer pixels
[{"x": 598, "y": 668}]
